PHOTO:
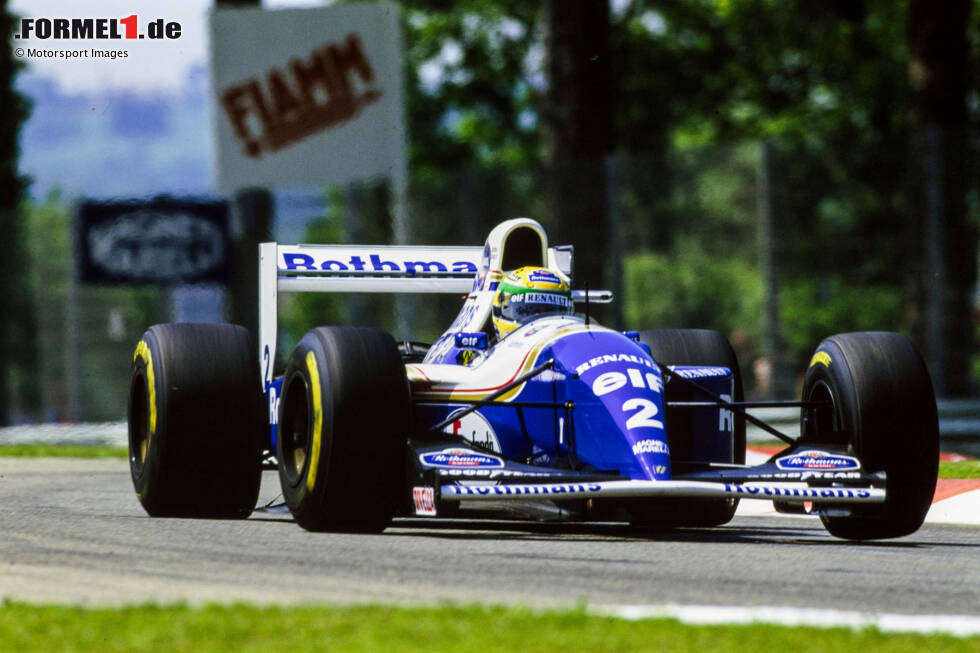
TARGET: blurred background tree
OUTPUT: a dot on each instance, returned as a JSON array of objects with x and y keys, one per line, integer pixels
[
  {"x": 19, "y": 389},
  {"x": 695, "y": 85},
  {"x": 945, "y": 269}
]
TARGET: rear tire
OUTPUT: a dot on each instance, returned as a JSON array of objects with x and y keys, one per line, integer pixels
[
  {"x": 345, "y": 417},
  {"x": 196, "y": 421},
  {"x": 884, "y": 410},
  {"x": 691, "y": 347}
]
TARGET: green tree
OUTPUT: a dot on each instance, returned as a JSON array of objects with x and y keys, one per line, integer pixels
[
  {"x": 83, "y": 355},
  {"x": 17, "y": 324},
  {"x": 474, "y": 88},
  {"x": 578, "y": 117},
  {"x": 47, "y": 246},
  {"x": 825, "y": 81},
  {"x": 829, "y": 84},
  {"x": 944, "y": 272}
]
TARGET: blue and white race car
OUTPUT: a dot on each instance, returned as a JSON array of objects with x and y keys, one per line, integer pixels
[{"x": 522, "y": 407}]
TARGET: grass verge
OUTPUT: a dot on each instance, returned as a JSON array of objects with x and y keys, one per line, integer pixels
[
  {"x": 37, "y": 450},
  {"x": 961, "y": 469},
  {"x": 242, "y": 628}
]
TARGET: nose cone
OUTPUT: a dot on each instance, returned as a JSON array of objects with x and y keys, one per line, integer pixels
[{"x": 619, "y": 404}]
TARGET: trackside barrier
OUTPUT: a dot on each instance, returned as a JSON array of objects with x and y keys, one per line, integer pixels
[{"x": 959, "y": 425}]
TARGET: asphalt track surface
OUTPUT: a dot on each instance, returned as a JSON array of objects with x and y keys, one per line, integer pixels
[{"x": 72, "y": 531}]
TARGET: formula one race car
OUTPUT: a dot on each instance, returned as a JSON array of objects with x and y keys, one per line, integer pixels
[{"x": 522, "y": 407}]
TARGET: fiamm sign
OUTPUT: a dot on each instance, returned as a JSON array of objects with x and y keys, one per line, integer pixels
[
  {"x": 310, "y": 95},
  {"x": 307, "y": 96}
]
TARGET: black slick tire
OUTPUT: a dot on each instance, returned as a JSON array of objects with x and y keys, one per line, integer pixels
[
  {"x": 879, "y": 403},
  {"x": 343, "y": 424},
  {"x": 196, "y": 421},
  {"x": 690, "y": 347}
]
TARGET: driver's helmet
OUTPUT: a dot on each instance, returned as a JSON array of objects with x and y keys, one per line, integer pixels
[{"x": 526, "y": 294}]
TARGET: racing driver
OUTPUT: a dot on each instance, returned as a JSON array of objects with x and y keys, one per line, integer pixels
[{"x": 526, "y": 294}]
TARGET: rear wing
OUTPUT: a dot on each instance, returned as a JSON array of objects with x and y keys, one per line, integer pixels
[
  {"x": 373, "y": 269},
  {"x": 365, "y": 269}
]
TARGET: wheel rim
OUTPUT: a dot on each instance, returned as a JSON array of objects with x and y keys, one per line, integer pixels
[
  {"x": 295, "y": 429},
  {"x": 139, "y": 423},
  {"x": 823, "y": 420}
]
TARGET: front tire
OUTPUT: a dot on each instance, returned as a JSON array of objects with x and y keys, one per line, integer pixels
[
  {"x": 344, "y": 421},
  {"x": 196, "y": 421},
  {"x": 692, "y": 347},
  {"x": 879, "y": 402}
]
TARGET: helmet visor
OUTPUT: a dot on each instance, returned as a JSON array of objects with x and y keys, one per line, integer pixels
[{"x": 526, "y": 306}]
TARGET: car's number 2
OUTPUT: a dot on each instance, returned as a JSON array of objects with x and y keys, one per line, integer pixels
[{"x": 646, "y": 410}]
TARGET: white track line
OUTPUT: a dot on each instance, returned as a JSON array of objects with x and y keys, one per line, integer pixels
[
  {"x": 959, "y": 509},
  {"x": 956, "y": 625}
]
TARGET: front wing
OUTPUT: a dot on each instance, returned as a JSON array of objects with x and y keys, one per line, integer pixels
[
  {"x": 677, "y": 489},
  {"x": 461, "y": 472}
]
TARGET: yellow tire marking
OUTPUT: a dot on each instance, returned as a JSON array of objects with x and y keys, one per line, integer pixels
[
  {"x": 143, "y": 351},
  {"x": 317, "y": 419},
  {"x": 821, "y": 357}
]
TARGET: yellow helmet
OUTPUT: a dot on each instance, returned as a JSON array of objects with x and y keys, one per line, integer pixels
[{"x": 526, "y": 294}]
